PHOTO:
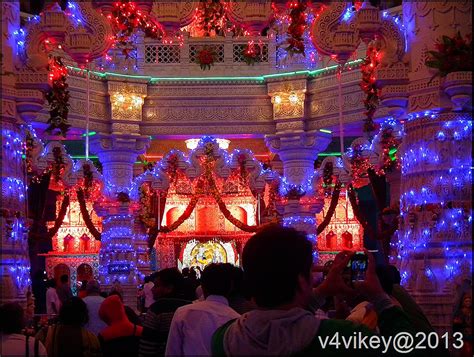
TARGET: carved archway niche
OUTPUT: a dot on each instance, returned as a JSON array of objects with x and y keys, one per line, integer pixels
[{"x": 335, "y": 35}]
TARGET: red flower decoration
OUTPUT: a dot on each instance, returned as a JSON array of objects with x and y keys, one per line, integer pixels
[{"x": 206, "y": 58}]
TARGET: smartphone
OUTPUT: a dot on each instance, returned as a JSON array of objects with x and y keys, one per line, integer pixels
[{"x": 358, "y": 266}]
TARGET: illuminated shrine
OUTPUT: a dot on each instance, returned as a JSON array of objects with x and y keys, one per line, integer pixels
[{"x": 138, "y": 136}]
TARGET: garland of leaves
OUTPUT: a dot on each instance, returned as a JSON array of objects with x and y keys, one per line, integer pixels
[
  {"x": 128, "y": 18},
  {"x": 58, "y": 97},
  {"x": 59, "y": 220},
  {"x": 152, "y": 234},
  {"x": 358, "y": 214},
  {"x": 297, "y": 27},
  {"x": 389, "y": 142},
  {"x": 86, "y": 216},
  {"x": 332, "y": 208},
  {"x": 369, "y": 86}
]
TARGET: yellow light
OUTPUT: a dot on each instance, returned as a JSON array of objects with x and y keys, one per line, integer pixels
[
  {"x": 293, "y": 98},
  {"x": 277, "y": 99},
  {"x": 126, "y": 100}
]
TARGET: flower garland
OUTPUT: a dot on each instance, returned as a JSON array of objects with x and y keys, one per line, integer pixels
[
  {"x": 206, "y": 58},
  {"x": 88, "y": 179},
  {"x": 128, "y": 18},
  {"x": 81, "y": 198},
  {"x": 332, "y": 208},
  {"x": 251, "y": 53},
  {"x": 29, "y": 146},
  {"x": 295, "y": 192},
  {"x": 211, "y": 18},
  {"x": 297, "y": 27},
  {"x": 359, "y": 164},
  {"x": 58, "y": 165},
  {"x": 60, "y": 219},
  {"x": 452, "y": 54},
  {"x": 152, "y": 234},
  {"x": 327, "y": 178},
  {"x": 369, "y": 86},
  {"x": 145, "y": 213},
  {"x": 58, "y": 97}
]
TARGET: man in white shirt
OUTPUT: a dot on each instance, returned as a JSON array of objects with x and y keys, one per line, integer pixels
[
  {"x": 147, "y": 291},
  {"x": 52, "y": 299},
  {"x": 93, "y": 301},
  {"x": 193, "y": 325}
]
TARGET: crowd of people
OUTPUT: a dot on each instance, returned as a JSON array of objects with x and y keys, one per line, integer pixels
[{"x": 270, "y": 307}]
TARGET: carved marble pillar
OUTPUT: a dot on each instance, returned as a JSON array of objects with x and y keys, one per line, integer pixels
[
  {"x": 297, "y": 149},
  {"x": 15, "y": 264},
  {"x": 435, "y": 241},
  {"x": 118, "y": 254}
]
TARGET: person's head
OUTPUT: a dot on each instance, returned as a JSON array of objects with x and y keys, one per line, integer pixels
[
  {"x": 64, "y": 279},
  {"x": 277, "y": 267},
  {"x": 93, "y": 288},
  {"x": 396, "y": 277},
  {"x": 167, "y": 282},
  {"x": 51, "y": 283},
  {"x": 216, "y": 279},
  {"x": 116, "y": 293},
  {"x": 74, "y": 312},
  {"x": 146, "y": 279},
  {"x": 112, "y": 310},
  {"x": 13, "y": 318},
  {"x": 192, "y": 274}
]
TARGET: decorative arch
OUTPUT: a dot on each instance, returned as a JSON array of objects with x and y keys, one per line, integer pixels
[
  {"x": 335, "y": 34},
  {"x": 84, "y": 272},
  {"x": 59, "y": 270}
]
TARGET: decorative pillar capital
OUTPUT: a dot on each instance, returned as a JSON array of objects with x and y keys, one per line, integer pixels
[
  {"x": 298, "y": 151},
  {"x": 117, "y": 153}
]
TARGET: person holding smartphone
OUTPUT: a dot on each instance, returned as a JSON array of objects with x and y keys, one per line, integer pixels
[{"x": 277, "y": 264}]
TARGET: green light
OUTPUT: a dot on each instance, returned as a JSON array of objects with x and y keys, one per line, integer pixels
[
  {"x": 91, "y": 133},
  {"x": 391, "y": 154},
  {"x": 23, "y": 156},
  {"x": 261, "y": 78},
  {"x": 83, "y": 157},
  {"x": 325, "y": 131},
  {"x": 329, "y": 154}
]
